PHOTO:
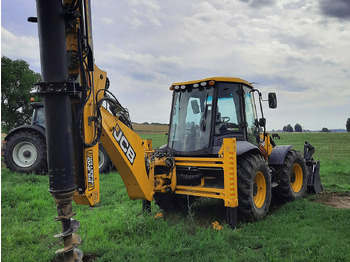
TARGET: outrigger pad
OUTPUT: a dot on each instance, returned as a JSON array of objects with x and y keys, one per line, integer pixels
[
  {"x": 314, "y": 181},
  {"x": 231, "y": 217}
]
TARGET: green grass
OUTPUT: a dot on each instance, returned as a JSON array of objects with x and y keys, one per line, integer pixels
[
  {"x": 116, "y": 229},
  {"x": 157, "y": 139}
]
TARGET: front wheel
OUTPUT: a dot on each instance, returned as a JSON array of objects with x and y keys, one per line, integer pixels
[
  {"x": 254, "y": 187},
  {"x": 25, "y": 152},
  {"x": 292, "y": 177}
]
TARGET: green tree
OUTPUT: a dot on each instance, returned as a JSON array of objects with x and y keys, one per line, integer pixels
[
  {"x": 298, "y": 128},
  {"x": 348, "y": 125},
  {"x": 289, "y": 128},
  {"x": 16, "y": 83},
  {"x": 325, "y": 129}
]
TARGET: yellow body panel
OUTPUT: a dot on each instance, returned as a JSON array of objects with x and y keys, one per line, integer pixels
[
  {"x": 127, "y": 152},
  {"x": 217, "y": 78},
  {"x": 228, "y": 151},
  {"x": 226, "y": 160},
  {"x": 91, "y": 196},
  {"x": 265, "y": 145}
]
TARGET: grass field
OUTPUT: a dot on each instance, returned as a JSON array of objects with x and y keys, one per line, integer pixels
[
  {"x": 116, "y": 229},
  {"x": 150, "y": 129}
]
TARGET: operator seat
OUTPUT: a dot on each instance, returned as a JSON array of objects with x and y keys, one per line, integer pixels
[{"x": 220, "y": 126}]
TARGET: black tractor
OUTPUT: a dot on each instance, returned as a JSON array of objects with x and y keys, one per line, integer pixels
[{"x": 25, "y": 146}]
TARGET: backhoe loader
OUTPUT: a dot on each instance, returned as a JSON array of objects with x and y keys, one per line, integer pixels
[{"x": 217, "y": 147}]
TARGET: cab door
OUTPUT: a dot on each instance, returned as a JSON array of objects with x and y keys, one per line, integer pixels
[{"x": 250, "y": 116}]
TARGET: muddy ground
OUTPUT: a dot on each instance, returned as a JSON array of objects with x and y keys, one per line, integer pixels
[{"x": 337, "y": 200}]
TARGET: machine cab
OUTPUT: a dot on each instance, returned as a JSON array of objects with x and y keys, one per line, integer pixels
[
  {"x": 38, "y": 117},
  {"x": 206, "y": 111}
]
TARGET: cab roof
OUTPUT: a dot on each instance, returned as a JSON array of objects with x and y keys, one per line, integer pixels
[{"x": 216, "y": 78}]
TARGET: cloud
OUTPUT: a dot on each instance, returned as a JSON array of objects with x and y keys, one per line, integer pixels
[
  {"x": 259, "y": 3},
  {"x": 141, "y": 66},
  {"x": 20, "y": 47},
  {"x": 292, "y": 47},
  {"x": 336, "y": 8}
]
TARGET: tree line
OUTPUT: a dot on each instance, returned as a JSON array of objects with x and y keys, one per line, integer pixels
[{"x": 298, "y": 127}]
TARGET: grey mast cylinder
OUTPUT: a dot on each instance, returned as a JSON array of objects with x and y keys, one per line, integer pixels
[{"x": 58, "y": 112}]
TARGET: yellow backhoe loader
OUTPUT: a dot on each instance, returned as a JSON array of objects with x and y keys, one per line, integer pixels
[{"x": 217, "y": 146}]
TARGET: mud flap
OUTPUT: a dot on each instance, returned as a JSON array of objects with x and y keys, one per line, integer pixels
[{"x": 314, "y": 184}]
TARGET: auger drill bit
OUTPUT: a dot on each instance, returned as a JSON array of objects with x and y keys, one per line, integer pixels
[
  {"x": 59, "y": 128},
  {"x": 69, "y": 226}
]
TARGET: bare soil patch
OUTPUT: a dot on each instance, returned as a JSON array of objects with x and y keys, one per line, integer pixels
[
  {"x": 336, "y": 200},
  {"x": 150, "y": 129}
]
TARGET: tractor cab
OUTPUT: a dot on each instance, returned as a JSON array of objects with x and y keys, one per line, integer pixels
[
  {"x": 38, "y": 117},
  {"x": 206, "y": 111}
]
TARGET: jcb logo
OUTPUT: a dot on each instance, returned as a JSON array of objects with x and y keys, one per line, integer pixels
[{"x": 124, "y": 144}]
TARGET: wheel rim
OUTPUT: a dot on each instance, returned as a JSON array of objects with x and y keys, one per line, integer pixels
[
  {"x": 259, "y": 191},
  {"x": 296, "y": 179},
  {"x": 24, "y": 154},
  {"x": 101, "y": 158}
]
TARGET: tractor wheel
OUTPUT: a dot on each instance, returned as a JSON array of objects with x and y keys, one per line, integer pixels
[
  {"x": 254, "y": 187},
  {"x": 25, "y": 152},
  {"x": 104, "y": 162},
  {"x": 292, "y": 177}
]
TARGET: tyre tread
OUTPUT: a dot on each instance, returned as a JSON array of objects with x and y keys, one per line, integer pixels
[
  {"x": 283, "y": 191},
  {"x": 248, "y": 166},
  {"x": 40, "y": 166}
]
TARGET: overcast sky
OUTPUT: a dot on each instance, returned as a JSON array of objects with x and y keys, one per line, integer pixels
[{"x": 299, "y": 49}]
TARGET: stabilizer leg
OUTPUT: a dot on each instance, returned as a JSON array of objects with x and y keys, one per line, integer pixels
[
  {"x": 231, "y": 217},
  {"x": 146, "y": 206},
  {"x": 314, "y": 180}
]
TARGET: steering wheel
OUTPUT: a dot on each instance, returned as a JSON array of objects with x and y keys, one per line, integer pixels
[{"x": 225, "y": 119}]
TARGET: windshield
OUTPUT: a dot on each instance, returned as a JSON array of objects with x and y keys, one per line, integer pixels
[
  {"x": 190, "y": 120},
  {"x": 38, "y": 117}
]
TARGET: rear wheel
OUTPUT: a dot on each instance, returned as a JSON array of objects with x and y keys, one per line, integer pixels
[
  {"x": 254, "y": 187},
  {"x": 25, "y": 152},
  {"x": 105, "y": 164},
  {"x": 292, "y": 177}
]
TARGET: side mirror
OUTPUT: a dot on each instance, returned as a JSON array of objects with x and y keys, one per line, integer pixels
[
  {"x": 262, "y": 122},
  {"x": 195, "y": 107},
  {"x": 272, "y": 100}
]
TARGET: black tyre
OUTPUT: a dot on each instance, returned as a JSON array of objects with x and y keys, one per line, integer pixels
[
  {"x": 292, "y": 177},
  {"x": 105, "y": 163},
  {"x": 25, "y": 152},
  {"x": 254, "y": 187}
]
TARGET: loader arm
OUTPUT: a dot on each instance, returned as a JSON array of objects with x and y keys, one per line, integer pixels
[
  {"x": 127, "y": 151},
  {"x": 125, "y": 148}
]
